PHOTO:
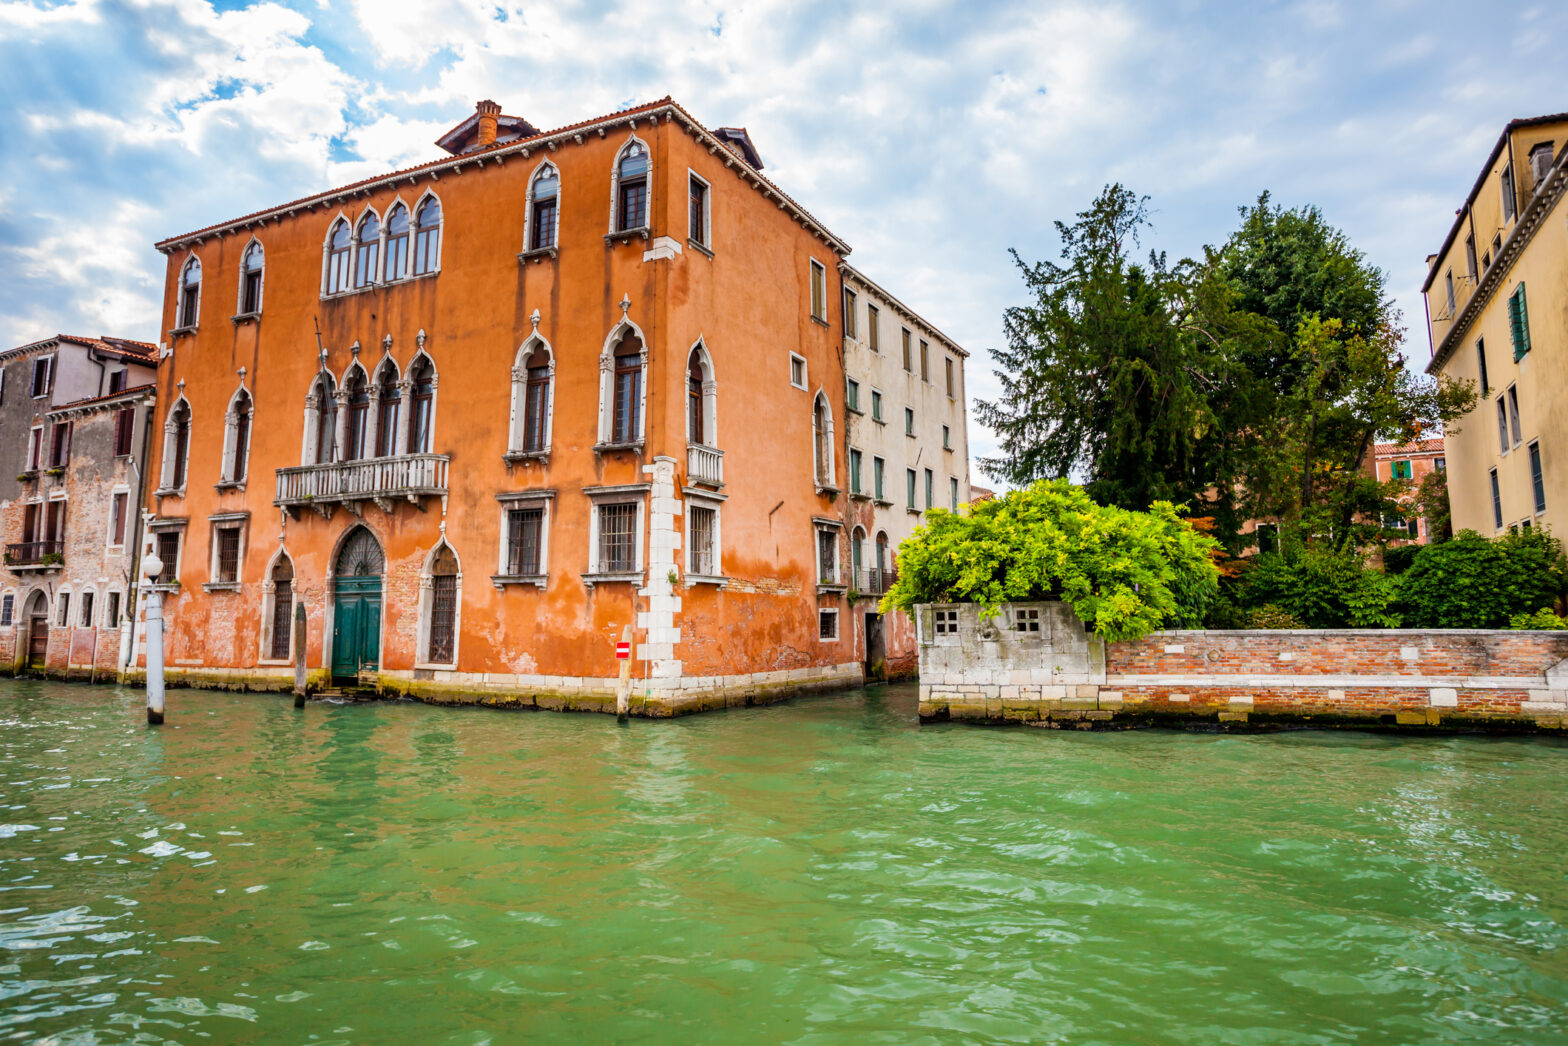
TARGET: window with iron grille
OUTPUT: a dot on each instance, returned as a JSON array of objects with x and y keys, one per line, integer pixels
[
  {"x": 524, "y": 530},
  {"x": 827, "y": 556},
  {"x": 282, "y": 608},
  {"x": 947, "y": 622},
  {"x": 442, "y": 649},
  {"x": 169, "y": 555},
  {"x": 228, "y": 570},
  {"x": 617, "y": 538},
  {"x": 1025, "y": 619},
  {"x": 124, "y": 425},
  {"x": 702, "y": 558},
  {"x": 827, "y": 624}
]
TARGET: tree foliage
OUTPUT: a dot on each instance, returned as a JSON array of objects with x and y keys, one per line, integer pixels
[
  {"x": 1471, "y": 582},
  {"x": 1124, "y": 573}
]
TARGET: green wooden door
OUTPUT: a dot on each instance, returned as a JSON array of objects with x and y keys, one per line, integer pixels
[{"x": 356, "y": 607}]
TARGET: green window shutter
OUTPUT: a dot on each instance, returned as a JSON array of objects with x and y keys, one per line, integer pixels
[{"x": 1519, "y": 322}]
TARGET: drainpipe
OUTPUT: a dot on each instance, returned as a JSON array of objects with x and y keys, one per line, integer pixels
[{"x": 92, "y": 357}]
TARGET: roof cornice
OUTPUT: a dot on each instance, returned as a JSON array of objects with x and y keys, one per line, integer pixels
[
  {"x": 1531, "y": 219},
  {"x": 573, "y": 134},
  {"x": 856, "y": 276},
  {"x": 144, "y": 393}
]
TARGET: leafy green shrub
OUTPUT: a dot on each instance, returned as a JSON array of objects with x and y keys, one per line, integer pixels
[
  {"x": 1271, "y": 616},
  {"x": 1124, "y": 573},
  {"x": 1471, "y": 582},
  {"x": 1323, "y": 589},
  {"x": 1397, "y": 560},
  {"x": 1541, "y": 620}
]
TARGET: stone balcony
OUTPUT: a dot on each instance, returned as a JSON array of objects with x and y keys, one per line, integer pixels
[
  {"x": 704, "y": 465},
  {"x": 385, "y": 481},
  {"x": 35, "y": 555}
]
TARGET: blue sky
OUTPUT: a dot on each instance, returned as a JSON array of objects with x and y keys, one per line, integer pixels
[{"x": 932, "y": 136}]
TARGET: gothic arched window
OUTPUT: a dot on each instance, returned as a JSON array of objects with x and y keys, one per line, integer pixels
[
  {"x": 251, "y": 265},
  {"x": 427, "y": 237},
  {"x": 367, "y": 249},
  {"x": 190, "y": 293},
  {"x": 339, "y": 243},
  {"x": 397, "y": 243}
]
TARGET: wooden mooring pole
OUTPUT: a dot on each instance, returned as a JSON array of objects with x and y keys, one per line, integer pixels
[
  {"x": 299, "y": 655},
  {"x": 623, "y": 688}
]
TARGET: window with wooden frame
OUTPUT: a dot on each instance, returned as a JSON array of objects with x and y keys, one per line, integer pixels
[
  {"x": 876, "y": 404},
  {"x": 427, "y": 237},
  {"x": 854, "y": 470},
  {"x": 43, "y": 376},
  {"x": 389, "y": 410},
  {"x": 697, "y": 211},
  {"x": 1537, "y": 477},
  {"x": 873, "y": 328},
  {"x": 421, "y": 406},
  {"x": 910, "y": 479},
  {"x": 35, "y": 451},
  {"x": 952, "y": 380},
  {"x": 124, "y": 429},
  {"x": 1519, "y": 323},
  {"x": 252, "y": 264},
  {"x": 879, "y": 479},
  {"x": 827, "y": 556},
  {"x": 54, "y": 522},
  {"x": 324, "y": 406},
  {"x": 119, "y": 511},
  {"x": 340, "y": 257},
  {"x": 190, "y": 294},
  {"x": 632, "y": 188},
  {"x": 625, "y": 424},
  {"x": 925, "y": 360},
  {"x": 909, "y": 351},
  {"x": 1497, "y": 501},
  {"x": 850, "y": 301},
  {"x": 239, "y": 437},
  {"x": 909, "y": 421},
  {"x": 396, "y": 264},
  {"x": 7, "y": 608},
  {"x": 1513, "y": 411},
  {"x": 545, "y": 208},
  {"x": 358, "y": 418},
  {"x": 797, "y": 370},
  {"x": 1506, "y": 184},
  {"x": 695, "y": 430},
  {"x": 1502, "y": 424},
  {"x": 1480, "y": 359},
  {"x": 852, "y": 395},
  {"x": 367, "y": 250},
  {"x": 536, "y": 401},
  {"x": 819, "y": 291},
  {"x": 930, "y": 485},
  {"x": 947, "y": 438},
  {"x": 952, "y": 484},
  {"x": 60, "y": 444}
]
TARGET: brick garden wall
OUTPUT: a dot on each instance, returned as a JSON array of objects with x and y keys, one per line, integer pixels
[{"x": 990, "y": 672}]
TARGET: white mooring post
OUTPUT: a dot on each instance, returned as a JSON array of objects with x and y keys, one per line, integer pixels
[{"x": 152, "y": 566}]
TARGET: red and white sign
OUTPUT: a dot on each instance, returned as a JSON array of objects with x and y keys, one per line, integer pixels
[{"x": 623, "y": 651}]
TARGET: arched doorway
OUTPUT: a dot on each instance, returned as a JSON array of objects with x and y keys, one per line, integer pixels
[
  {"x": 356, "y": 606},
  {"x": 37, "y": 618}
]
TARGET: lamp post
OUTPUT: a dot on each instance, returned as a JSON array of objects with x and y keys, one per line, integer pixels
[{"x": 152, "y": 566}]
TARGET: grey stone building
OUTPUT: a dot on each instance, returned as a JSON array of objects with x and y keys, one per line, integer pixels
[{"x": 74, "y": 413}]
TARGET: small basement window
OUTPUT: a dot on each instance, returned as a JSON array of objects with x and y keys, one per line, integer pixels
[
  {"x": 1026, "y": 619},
  {"x": 947, "y": 622}
]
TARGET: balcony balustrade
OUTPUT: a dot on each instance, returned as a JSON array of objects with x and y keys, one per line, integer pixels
[
  {"x": 875, "y": 581},
  {"x": 704, "y": 465},
  {"x": 37, "y": 555},
  {"x": 406, "y": 477}
]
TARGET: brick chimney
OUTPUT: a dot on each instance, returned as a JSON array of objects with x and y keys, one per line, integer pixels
[{"x": 488, "y": 112}]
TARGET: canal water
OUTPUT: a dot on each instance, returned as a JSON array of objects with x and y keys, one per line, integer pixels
[{"x": 824, "y": 871}]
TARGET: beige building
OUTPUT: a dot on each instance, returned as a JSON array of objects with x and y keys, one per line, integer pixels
[
  {"x": 906, "y": 445},
  {"x": 1497, "y": 309}
]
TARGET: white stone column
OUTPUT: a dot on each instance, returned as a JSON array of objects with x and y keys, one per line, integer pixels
[{"x": 661, "y": 635}]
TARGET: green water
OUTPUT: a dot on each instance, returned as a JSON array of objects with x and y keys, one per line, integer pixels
[{"x": 825, "y": 871}]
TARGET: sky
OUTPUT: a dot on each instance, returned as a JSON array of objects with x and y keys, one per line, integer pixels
[{"x": 931, "y": 136}]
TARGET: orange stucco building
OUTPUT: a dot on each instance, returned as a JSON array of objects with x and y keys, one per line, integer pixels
[{"x": 479, "y": 416}]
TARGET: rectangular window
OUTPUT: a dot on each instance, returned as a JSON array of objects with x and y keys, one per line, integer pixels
[
  {"x": 1470, "y": 254},
  {"x": 60, "y": 444},
  {"x": 7, "y": 608},
  {"x": 524, "y": 533},
  {"x": 119, "y": 503},
  {"x": 1513, "y": 409},
  {"x": 64, "y": 617},
  {"x": 946, "y": 622},
  {"x": 827, "y": 624},
  {"x": 618, "y": 538},
  {"x": 1480, "y": 359},
  {"x": 1502, "y": 424},
  {"x": 852, "y": 394},
  {"x": 879, "y": 478},
  {"x": 1497, "y": 503},
  {"x": 952, "y": 486},
  {"x": 849, "y": 313},
  {"x": 697, "y": 217},
  {"x": 625, "y": 423},
  {"x": 442, "y": 649},
  {"x": 43, "y": 372},
  {"x": 117, "y": 381},
  {"x": 1507, "y": 184},
  {"x": 930, "y": 488},
  {"x": 854, "y": 471},
  {"x": 169, "y": 555},
  {"x": 1401, "y": 470},
  {"x": 819, "y": 291},
  {"x": 876, "y": 405},
  {"x": 124, "y": 426},
  {"x": 909, "y": 488},
  {"x": 54, "y": 522},
  {"x": 1519, "y": 322},
  {"x": 909, "y": 421},
  {"x": 947, "y": 438},
  {"x": 952, "y": 386},
  {"x": 909, "y": 358},
  {"x": 634, "y": 204},
  {"x": 30, "y": 524},
  {"x": 87, "y": 610},
  {"x": 873, "y": 328},
  {"x": 1441, "y": 464},
  {"x": 1537, "y": 480},
  {"x": 925, "y": 361},
  {"x": 702, "y": 557},
  {"x": 227, "y": 568},
  {"x": 544, "y": 224},
  {"x": 35, "y": 444},
  {"x": 797, "y": 371},
  {"x": 111, "y": 615},
  {"x": 827, "y": 556},
  {"x": 1448, "y": 280}
]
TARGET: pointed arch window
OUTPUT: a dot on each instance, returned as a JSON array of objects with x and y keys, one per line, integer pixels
[
  {"x": 367, "y": 249},
  {"x": 357, "y": 407},
  {"x": 632, "y": 188},
  {"x": 822, "y": 439},
  {"x": 625, "y": 426},
  {"x": 544, "y": 210},
  {"x": 397, "y": 243},
  {"x": 696, "y": 432},
  {"x": 321, "y": 421},
  {"x": 441, "y": 635},
  {"x": 236, "y": 442},
  {"x": 190, "y": 293},
  {"x": 176, "y": 446},
  {"x": 251, "y": 266},
  {"x": 339, "y": 244},
  {"x": 389, "y": 410},
  {"x": 884, "y": 565},
  {"x": 533, "y": 377},
  {"x": 427, "y": 237},
  {"x": 281, "y": 614},
  {"x": 421, "y": 406}
]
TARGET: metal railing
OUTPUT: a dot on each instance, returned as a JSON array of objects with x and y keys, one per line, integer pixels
[
  {"x": 404, "y": 476},
  {"x": 874, "y": 581},
  {"x": 704, "y": 464},
  {"x": 33, "y": 553}
]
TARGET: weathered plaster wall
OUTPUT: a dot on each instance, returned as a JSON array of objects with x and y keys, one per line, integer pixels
[{"x": 1450, "y": 678}]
